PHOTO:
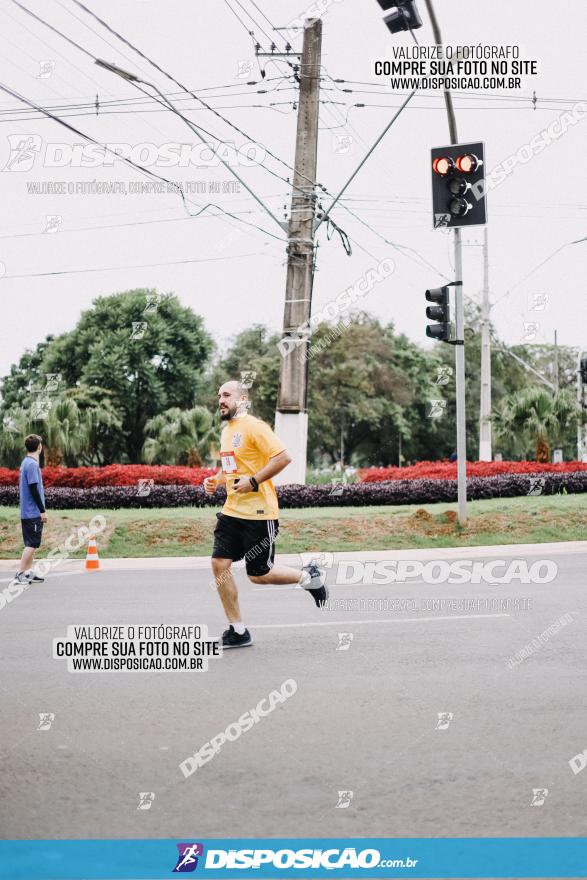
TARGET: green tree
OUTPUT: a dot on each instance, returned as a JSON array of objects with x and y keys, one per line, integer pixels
[
  {"x": 147, "y": 359},
  {"x": 180, "y": 437}
]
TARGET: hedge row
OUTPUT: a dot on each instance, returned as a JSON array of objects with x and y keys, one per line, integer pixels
[
  {"x": 356, "y": 494},
  {"x": 114, "y": 475},
  {"x": 446, "y": 470}
]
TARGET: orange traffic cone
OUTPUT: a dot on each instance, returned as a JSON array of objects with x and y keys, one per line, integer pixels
[{"x": 92, "y": 560}]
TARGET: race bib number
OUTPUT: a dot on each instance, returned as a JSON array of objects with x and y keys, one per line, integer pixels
[{"x": 228, "y": 462}]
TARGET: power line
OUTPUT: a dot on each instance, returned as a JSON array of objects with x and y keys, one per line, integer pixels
[{"x": 138, "y": 266}]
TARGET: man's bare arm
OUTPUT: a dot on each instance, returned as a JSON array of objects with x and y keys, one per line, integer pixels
[{"x": 274, "y": 466}]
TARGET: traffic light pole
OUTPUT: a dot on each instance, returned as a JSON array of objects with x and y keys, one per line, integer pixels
[
  {"x": 460, "y": 382},
  {"x": 291, "y": 419},
  {"x": 459, "y": 314},
  {"x": 485, "y": 451}
]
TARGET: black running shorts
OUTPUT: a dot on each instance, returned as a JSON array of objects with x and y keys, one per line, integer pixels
[
  {"x": 251, "y": 539},
  {"x": 32, "y": 532}
]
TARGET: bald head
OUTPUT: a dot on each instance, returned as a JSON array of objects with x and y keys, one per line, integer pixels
[{"x": 233, "y": 397}]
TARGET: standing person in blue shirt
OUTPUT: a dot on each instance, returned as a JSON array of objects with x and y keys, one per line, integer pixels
[{"x": 32, "y": 509}]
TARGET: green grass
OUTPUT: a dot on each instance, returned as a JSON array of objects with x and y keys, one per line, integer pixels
[{"x": 188, "y": 531}]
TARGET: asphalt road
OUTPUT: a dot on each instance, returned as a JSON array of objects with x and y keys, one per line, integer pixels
[{"x": 364, "y": 719}]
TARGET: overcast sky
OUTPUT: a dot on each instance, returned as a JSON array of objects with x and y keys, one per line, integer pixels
[{"x": 241, "y": 278}]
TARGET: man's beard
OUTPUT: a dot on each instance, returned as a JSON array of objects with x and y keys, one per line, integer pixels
[{"x": 228, "y": 414}]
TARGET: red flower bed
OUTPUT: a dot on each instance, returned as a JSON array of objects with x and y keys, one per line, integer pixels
[
  {"x": 446, "y": 470},
  {"x": 114, "y": 475}
]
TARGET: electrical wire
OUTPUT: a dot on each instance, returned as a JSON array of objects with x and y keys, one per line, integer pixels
[{"x": 137, "y": 266}]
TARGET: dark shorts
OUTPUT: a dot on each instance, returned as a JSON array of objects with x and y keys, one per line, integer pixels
[
  {"x": 251, "y": 539},
  {"x": 32, "y": 532}
]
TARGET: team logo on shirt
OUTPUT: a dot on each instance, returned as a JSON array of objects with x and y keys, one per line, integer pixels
[{"x": 237, "y": 441}]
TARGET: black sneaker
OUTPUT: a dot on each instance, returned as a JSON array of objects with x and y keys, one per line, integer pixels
[
  {"x": 33, "y": 578},
  {"x": 316, "y": 584},
  {"x": 232, "y": 639}
]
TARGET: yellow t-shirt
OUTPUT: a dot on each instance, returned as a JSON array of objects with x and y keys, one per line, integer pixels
[{"x": 246, "y": 445}]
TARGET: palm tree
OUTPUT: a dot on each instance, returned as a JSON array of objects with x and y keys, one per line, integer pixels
[
  {"x": 177, "y": 435},
  {"x": 535, "y": 416},
  {"x": 64, "y": 432}
]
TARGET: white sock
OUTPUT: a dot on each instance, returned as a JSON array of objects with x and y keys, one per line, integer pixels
[
  {"x": 239, "y": 628},
  {"x": 305, "y": 578}
]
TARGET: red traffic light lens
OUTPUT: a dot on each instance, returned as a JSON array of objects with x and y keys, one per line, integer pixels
[
  {"x": 467, "y": 163},
  {"x": 443, "y": 165}
]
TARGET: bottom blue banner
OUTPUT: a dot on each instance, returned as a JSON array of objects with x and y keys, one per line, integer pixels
[{"x": 514, "y": 857}]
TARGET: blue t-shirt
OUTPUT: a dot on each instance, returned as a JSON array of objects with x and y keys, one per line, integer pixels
[{"x": 30, "y": 472}]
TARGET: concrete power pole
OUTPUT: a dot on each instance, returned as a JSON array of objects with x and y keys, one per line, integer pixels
[
  {"x": 485, "y": 451},
  {"x": 291, "y": 419}
]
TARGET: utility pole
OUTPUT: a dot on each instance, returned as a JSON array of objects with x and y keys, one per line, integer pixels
[
  {"x": 459, "y": 314},
  {"x": 291, "y": 419},
  {"x": 485, "y": 451},
  {"x": 581, "y": 445},
  {"x": 556, "y": 370}
]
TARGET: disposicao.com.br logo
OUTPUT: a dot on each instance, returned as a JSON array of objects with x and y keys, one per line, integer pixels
[{"x": 324, "y": 859}]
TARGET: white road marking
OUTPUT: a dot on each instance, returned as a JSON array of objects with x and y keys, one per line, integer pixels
[{"x": 356, "y": 622}]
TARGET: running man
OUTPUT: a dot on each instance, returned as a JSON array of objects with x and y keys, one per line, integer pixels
[
  {"x": 248, "y": 525},
  {"x": 32, "y": 509}
]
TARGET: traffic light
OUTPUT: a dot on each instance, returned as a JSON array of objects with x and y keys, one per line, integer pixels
[
  {"x": 458, "y": 185},
  {"x": 404, "y": 15},
  {"x": 443, "y": 330},
  {"x": 583, "y": 371}
]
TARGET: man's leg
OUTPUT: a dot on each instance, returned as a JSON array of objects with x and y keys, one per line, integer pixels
[
  {"x": 226, "y": 586},
  {"x": 261, "y": 569},
  {"x": 279, "y": 574},
  {"x": 27, "y": 559}
]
